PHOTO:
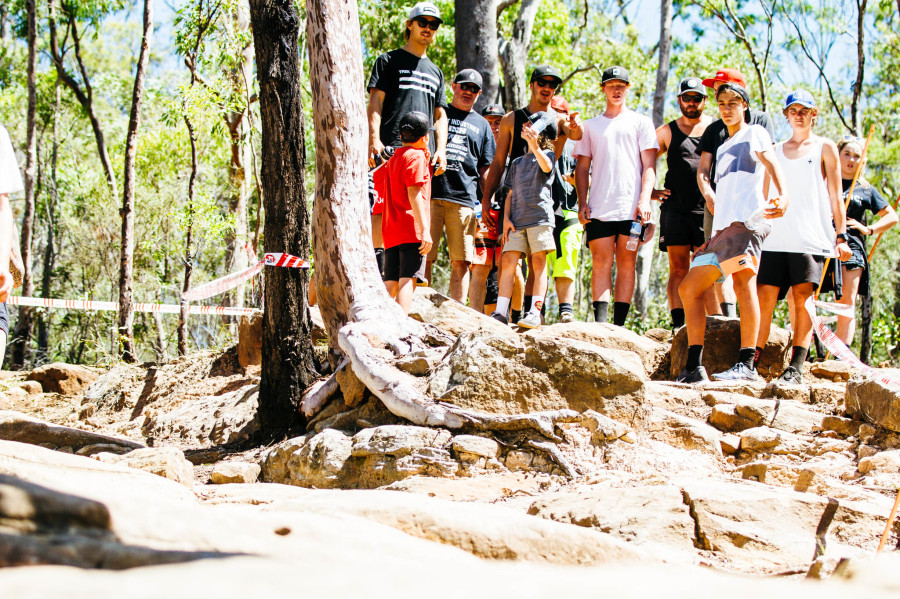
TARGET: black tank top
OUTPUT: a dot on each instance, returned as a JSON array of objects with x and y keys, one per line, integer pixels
[
  {"x": 682, "y": 160},
  {"x": 518, "y": 147}
]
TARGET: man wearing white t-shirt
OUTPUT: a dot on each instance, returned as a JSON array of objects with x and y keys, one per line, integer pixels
[
  {"x": 10, "y": 182},
  {"x": 739, "y": 228},
  {"x": 794, "y": 253},
  {"x": 614, "y": 177}
]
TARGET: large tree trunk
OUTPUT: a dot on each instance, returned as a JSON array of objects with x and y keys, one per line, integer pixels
[
  {"x": 288, "y": 362},
  {"x": 476, "y": 45},
  {"x": 126, "y": 264},
  {"x": 514, "y": 55},
  {"x": 24, "y": 325}
]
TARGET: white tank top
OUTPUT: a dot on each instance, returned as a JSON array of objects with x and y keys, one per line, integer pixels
[{"x": 806, "y": 227}]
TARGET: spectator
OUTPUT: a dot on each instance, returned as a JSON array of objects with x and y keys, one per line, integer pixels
[
  {"x": 483, "y": 289},
  {"x": 10, "y": 182}
]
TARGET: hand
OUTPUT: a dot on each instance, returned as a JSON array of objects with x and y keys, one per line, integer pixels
[
  {"x": 843, "y": 250},
  {"x": 487, "y": 219},
  {"x": 375, "y": 148},
  {"x": 508, "y": 228},
  {"x": 574, "y": 122},
  {"x": 660, "y": 194},
  {"x": 439, "y": 162},
  {"x": 776, "y": 208},
  {"x": 529, "y": 135},
  {"x": 425, "y": 246},
  {"x": 584, "y": 215},
  {"x": 569, "y": 178},
  {"x": 858, "y": 226},
  {"x": 6, "y": 284},
  {"x": 643, "y": 212}
]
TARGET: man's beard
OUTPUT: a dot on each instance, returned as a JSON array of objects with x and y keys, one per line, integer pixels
[{"x": 691, "y": 112}]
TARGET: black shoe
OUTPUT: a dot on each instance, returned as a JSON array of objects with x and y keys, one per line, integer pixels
[
  {"x": 697, "y": 375},
  {"x": 791, "y": 376},
  {"x": 500, "y": 318}
]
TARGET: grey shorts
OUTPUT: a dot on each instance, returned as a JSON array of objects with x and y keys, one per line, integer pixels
[
  {"x": 4, "y": 318},
  {"x": 733, "y": 249}
]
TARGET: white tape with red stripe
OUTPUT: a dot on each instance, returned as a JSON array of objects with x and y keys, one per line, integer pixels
[
  {"x": 229, "y": 282},
  {"x": 39, "y": 302}
]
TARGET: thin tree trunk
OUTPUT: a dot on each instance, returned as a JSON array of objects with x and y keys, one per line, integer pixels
[
  {"x": 662, "y": 70},
  {"x": 476, "y": 45},
  {"x": 865, "y": 328},
  {"x": 860, "y": 64},
  {"x": 50, "y": 250},
  {"x": 126, "y": 265},
  {"x": 288, "y": 361},
  {"x": 514, "y": 55},
  {"x": 189, "y": 242},
  {"x": 4, "y": 22}
]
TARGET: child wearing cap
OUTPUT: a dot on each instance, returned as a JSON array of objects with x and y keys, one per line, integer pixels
[
  {"x": 405, "y": 226},
  {"x": 738, "y": 205},
  {"x": 794, "y": 252},
  {"x": 528, "y": 216}
]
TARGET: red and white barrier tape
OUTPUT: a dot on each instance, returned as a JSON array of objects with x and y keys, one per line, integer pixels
[
  {"x": 836, "y": 346},
  {"x": 229, "y": 282},
  {"x": 39, "y": 302}
]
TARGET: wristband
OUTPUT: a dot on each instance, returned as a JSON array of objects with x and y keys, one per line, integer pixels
[
  {"x": 869, "y": 231},
  {"x": 840, "y": 238}
]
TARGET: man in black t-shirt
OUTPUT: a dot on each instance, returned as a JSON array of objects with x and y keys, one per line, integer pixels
[{"x": 470, "y": 150}]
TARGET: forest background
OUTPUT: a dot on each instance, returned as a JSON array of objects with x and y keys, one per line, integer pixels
[{"x": 191, "y": 164}]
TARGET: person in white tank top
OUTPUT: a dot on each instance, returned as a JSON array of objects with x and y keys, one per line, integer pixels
[{"x": 795, "y": 251}]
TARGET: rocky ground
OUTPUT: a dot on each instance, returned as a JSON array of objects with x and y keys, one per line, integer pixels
[{"x": 139, "y": 479}]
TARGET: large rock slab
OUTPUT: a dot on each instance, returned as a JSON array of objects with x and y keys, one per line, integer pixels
[
  {"x": 15, "y": 426},
  {"x": 723, "y": 340},
  {"x": 680, "y": 431},
  {"x": 67, "y": 379},
  {"x": 436, "y": 308},
  {"x": 875, "y": 402},
  {"x": 217, "y": 419},
  {"x": 167, "y": 462}
]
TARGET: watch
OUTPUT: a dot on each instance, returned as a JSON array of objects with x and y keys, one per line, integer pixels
[{"x": 840, "y": 238}]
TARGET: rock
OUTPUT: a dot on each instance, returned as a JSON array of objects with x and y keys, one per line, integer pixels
[
  {"x": 249, "y": 347},
  {"x": 731, "y": 444},
  {"x": 234, "y": 472},
  {"x": 518, "y": 459},
  {"x": 829, "y": 394},
  {"x": 866, "y": 451},
  {"x": 323, "y": 462},
  {"x": 89, "y": 450},
  {"x": 722, "y": 344},
  {"x": 436, "y": 308},
  {"x": 831, "y": 370},
  {"x": 391, "y": 453},
  {"x": 217, "y": 419},
  {"x": 778, "y": 390},
  {"x": 66, "y": 379},
  {"x": 875, "y": 573},
  {"x": 794, "y": 418},
  {"x": 677, "y": 398},
  {"x": 274, "y": 463},
  {"x": 476, "y": 446},
  {"x": 398, "y": 441},
  {"x": 414, "y": 363},
  {"x": 31, "y": 387},
  {"x": 874, "y": 402},
  {"x": 759, "y": 439},
  {"x": 887, "y": 462},
  {"x": 686, "y": 433},
  {"x": 15, "y": 426},
  {"x": 743, "y": 414},
  {"x": 604, "y": 429},
  {"x": 352, "y": 389},
  {"x": 167, "y": 462},
  {"x": 844, "y": 426}
]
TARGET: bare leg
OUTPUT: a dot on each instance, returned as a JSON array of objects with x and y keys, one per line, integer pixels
[
  {"x": 694, "y": 286},
  {"x": 625, "y": 261},
  {"x": 391, "y": 287},
  {"x": 801, "y": 323},
  {"x": 539, "y": 262},
  {"x": 459, "y": 280},
  {"x": 602, "y": 251},
  {"x": 478, "y": 286},
  {"x": 711, "y": 299},
  {"x": 846, "y": 327},
  {"x": 679, "y": 264},
  {"x": 518, "y": 287},
  {"x": 768, "y": 297},
  {"x": 745, "y": 290},
  {"x": 405, "y": 290},
  {"x": 506, "y": 283},
  {"x": 565, "y": 290}
]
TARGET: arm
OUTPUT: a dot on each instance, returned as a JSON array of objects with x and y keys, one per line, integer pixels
[
  {"x": 495, "y": 172},
  {"x": 778, "y": 208},
  {"x": 6, "y": 225},
  {"x": 582, "y": 184},
  {"x": 419, "y": 204},
  {"x": 703, "y": 182},
  {"x": 441, "y": 122},
  {"x": 508, "y": 226},
  {"x": 530, "y": 138},
  {"x": 648, "y": 181},
  {"x": 663, "y": 137},
  {"x": 373, "y": 111},
  {"x": 887, "y": 218},
  {"x": 831, "y": 164},
  {"x": 571, "y": 126}
]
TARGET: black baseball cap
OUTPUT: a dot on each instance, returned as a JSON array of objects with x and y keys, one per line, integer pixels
[
  {"x": 469, "y": 76},
  {"x": 739, "y": 90},
  {"x": 493, "y": 110},
  {"x": 414, "y": 125},
  {"x": 545, "y": 70},
  {"x": 615, "y": 73},
  {"x": 691, "y": 85}
]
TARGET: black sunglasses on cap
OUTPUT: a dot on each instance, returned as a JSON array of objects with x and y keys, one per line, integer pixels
[
  {"x": 551, "y": 83},
  {"x": 429, "y": 23}
]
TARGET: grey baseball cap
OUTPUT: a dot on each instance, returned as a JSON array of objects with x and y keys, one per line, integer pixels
[
  {"x": 493, "y": 110},
  {"x": 424, "y": 9},
  {"x": 469, "y": 76},
  {"x": 691, "y": 85}
]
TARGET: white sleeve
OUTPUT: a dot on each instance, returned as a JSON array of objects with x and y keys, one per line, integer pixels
[
  {"x": 10, "y": 177},
  {"x": 583, "y": 145},
  {"x": 760, "y": 140},
  {"x": 647, "y": 135}
]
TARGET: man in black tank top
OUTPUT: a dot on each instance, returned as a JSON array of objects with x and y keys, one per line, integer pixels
[{"x": 681, "y": 211}]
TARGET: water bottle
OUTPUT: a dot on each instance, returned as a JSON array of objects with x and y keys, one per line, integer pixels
[
  {"x": 542, "y": 123},
  {"x": 635, "y": 236},
  {"x": 756, "y": 219},
  {"x": 478, "y": 209}
]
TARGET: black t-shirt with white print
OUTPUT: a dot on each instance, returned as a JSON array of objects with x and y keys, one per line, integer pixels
[
  {"x": 865, "y": 198},
  {"x": 470, "y": 146},
  {"x": 409, "y": 83}
]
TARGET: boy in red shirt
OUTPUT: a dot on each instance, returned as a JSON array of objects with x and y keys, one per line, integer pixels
[{"x": 405, "y": 225}]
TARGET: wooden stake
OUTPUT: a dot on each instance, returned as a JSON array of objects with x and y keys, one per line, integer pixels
[
  {"x": 877, "y": 239},
  {"x": 890, "y": 523}
]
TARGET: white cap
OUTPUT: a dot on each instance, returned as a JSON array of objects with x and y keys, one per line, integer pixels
[{"x": 424, "y": 9}]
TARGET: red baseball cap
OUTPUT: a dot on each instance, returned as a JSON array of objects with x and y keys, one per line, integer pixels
[
  {"x": 559, "y": 104},
  {"x": 727, "y": 76}
]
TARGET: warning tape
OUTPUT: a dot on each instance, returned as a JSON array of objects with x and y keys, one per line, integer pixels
[
  {"x": 229, "y": 282},
  {"x": 40, "y": 302},
  {"x": 837, "y": 347}
]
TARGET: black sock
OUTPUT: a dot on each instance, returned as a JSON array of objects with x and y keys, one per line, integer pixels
[
  {"x": 746, "y": 356},
  {"x": 677, "y": 317},
  {"x": 526, "y": 304},
  {"x": 620, "y": 313},
  {"x": 695, "y": 357},
  {"x": 565, "y": 307},
  {"x": 798, "y": 356},
  {"x": 379, "y": 259},
  {"x": 757, "y": 354},
  {"x": 728, "y": 309},
  {"x": 601, "y": 310},
  {"x": 516, "y": 315}
]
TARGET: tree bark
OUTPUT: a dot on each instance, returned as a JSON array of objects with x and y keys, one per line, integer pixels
[
  {"x": 4, "y": 22},
  {"x": 476, "y": 45},
  {"x": 126, "y": 263},
  {"x": 288, "y": 362},
  {"x": 860, "y": 65},
  {"x": 662, "y": 69},
  {"x": 189, "y": 241},
  {"x": 514, "y": 55},
  {"x": 24, "y": 325},
  {"x": 50, "y": 249}
]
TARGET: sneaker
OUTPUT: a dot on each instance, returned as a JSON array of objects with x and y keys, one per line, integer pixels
[
  {"x": 532, "y": 320},
  {"x": 738, "y": 372},
  {"x": 567, "y": 317},
  {"x": 697, "y": 375},
  {"x": 791, "y": 376},
  {"x": 500, "y": 318}
]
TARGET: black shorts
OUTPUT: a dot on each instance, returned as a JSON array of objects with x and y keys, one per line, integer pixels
[
  {"x": 680, "y": 228},
  {"x": 786, "y": 269},
  {"x": 403, "y": 262},
  {"x": 598, "y": 229},
  {"x": 4, "y": 318}
]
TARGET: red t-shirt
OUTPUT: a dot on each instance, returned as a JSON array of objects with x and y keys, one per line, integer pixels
[{"x": 407, "y": 167}]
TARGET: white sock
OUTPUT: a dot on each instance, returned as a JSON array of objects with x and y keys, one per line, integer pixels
[{"x": 502, "y": 305}]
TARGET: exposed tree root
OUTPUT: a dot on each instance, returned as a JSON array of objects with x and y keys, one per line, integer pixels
[{"x": 320, "y": 392}]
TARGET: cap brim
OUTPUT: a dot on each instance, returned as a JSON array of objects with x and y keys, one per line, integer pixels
[
  {"x": 804, "y": 104},
  {"x": 617, "y": 79},
  {"x": 712, "y": 82}
]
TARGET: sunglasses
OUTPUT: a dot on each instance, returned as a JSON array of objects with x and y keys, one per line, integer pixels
[
  {"x": 429, "y": 23},
  {"x": 692, "y": 98},
  {"x": 469, "y": 87},
  {"x": 851, "y": 138},
  {"x": 552, "y": 84}
]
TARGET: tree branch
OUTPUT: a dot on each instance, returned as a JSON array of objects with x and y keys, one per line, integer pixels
[{"x": 504, "y": 4}]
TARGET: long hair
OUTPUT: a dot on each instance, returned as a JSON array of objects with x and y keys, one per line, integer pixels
[{"x": 860, "y": 180}]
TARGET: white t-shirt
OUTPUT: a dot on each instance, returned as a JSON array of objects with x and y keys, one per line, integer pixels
[
  {"x": 614, "y": 146},
  {"x": 740, "y": 176},
  {"x": 806, "y": 227},
  {"x": 10, "y": 177}
]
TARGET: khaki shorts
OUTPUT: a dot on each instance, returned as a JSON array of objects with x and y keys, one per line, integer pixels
[
  {"x": 460, "y": 223},
  {"x": 531, "y": 240}
]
